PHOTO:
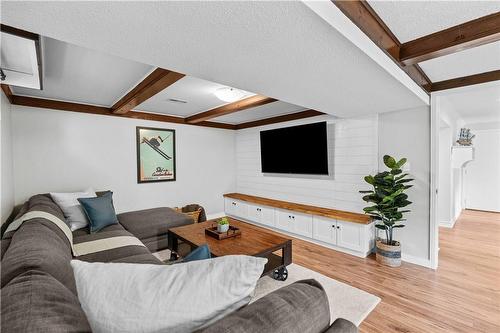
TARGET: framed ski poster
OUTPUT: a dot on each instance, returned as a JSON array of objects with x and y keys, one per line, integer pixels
[{"x": 155, "y": 154}]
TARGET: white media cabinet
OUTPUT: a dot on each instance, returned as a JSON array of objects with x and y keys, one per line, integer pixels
[{"x": 348, "y": 232}]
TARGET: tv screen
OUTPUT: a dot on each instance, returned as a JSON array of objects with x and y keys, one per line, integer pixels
[{"x": 296, "y": 150}]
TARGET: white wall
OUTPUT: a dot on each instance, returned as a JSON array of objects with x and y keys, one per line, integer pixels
[
  {"x": 354, "y": 149},
  {"x": 483, "y": 174},
  {"x": 445, "y": 214},
  {"x": 67, "y": 151},
  {"x": 407, "y": 134},
  {"x": 6, "y": 166}
]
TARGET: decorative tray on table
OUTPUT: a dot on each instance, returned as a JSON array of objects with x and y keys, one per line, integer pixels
[{"x": 232, "y": 232}]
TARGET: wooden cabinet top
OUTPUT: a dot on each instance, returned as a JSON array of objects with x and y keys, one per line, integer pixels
[{"x": 313, "y": 210}]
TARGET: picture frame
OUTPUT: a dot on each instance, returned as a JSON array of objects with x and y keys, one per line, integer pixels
[{"x": 156, "y": 156}]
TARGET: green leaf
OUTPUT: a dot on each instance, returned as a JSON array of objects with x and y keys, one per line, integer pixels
[
  {"x": 381, "y": 226},
  {"x": 370, "y": 180},
  {"x": 401, "y": 162},
  {"x": 370, "y": 191},
  {"x": 389, "y": 161},
  {"x": 396, "y": 171},
  {"x": 399, "y": 226}
]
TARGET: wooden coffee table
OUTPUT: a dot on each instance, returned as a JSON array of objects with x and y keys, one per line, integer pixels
[{"x": 253, "y": 241}]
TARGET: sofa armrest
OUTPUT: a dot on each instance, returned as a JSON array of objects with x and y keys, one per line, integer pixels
[
  {"x": 342, "y": 326},
  {"x": 301, "y": 307}
]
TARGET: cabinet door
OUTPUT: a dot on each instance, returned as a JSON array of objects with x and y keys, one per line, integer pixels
[
  {"x": 284, "y": 220},
  {"x": 267, "y": 216},
  {"x": 350, "y": 235},
  {"x": 325, "y": 230},
  {"x": 254, "y": 213},
  {"x": 241, "y": 209},
  {"x": 236, "y": 208},
  {"x": 302, "y": 224}
]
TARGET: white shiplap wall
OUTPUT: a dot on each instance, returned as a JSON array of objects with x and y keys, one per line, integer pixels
[{"x": 353, "y": 144}]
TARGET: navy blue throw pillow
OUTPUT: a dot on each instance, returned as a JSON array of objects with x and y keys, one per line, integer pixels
[
  {"x": 100, "y": 211},
  {"x": 200, "y": 253}
]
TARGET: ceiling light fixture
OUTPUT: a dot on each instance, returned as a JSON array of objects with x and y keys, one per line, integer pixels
[
  {"x": 175, "y": 100},
  {"x": 228, "y": 94}
]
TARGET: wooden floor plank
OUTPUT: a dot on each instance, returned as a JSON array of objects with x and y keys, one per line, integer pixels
[{"x": 462, "y": 295}]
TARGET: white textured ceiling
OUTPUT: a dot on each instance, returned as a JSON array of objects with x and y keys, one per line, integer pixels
[
  {"x": 261, "y": 112},
  {"x": 475, "y": 104},
  {"x": 77, "y": 74},
  {"x": 479, "y": 59},
  {"x": 278, "y": 49},
  {"x": 409, "y": 20},
  {"x": 198, "y": 93}
]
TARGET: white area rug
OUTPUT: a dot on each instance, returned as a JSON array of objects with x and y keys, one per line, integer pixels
[{"x": 345, "y": 301}]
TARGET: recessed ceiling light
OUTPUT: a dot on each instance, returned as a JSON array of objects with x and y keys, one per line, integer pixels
[
  {"x": 174, "y": 100},
  {"x": 228, "y": 94}
]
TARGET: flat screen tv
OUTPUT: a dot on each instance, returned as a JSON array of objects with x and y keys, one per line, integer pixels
[{"x": 295, "y": 150}]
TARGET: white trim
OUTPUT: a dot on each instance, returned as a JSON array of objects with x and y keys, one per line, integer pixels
[
  {"x": 447, "y": 224},
  {"x": 434, "y": 181},
  {"x": 417, "y": 261}
]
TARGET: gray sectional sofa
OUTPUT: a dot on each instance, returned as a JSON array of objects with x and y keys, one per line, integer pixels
[{"x": 38, "y": 292}]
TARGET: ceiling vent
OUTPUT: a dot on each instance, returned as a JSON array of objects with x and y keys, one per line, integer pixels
[
  {"x": 20, "y": 60},
  {"x": 174, "y": 100}
]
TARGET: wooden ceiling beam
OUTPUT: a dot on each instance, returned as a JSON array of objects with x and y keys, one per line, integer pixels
[
  {"x": 155, "y": 82},
  {"x": 461, "y": 37},
  {"x": 7, "y": 91},
  {"x": 280, "y": 119},
  {"x": 466, "y": 81},
  {"x": 246, "y": 103},
  {"x": 105, "y": 111},
  {"x": 368, "y": 21}
]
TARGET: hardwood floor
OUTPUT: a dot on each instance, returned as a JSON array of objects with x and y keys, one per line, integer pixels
[{"x": 462, "y": 295}]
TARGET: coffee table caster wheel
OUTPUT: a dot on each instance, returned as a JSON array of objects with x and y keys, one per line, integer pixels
[{"x": 280, "y": 274}]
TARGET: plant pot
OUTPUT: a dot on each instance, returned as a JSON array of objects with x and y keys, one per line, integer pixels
[
  {"x": 388, "y": 255},
  {"x": 222, "y": 227}
]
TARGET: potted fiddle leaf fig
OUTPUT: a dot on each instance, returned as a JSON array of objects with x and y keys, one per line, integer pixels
[{"x": 387, "y": 200}]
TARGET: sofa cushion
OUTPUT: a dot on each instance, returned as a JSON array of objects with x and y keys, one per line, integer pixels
[
  {"x": 100, "y": 211},
  {"x": 152, "y": 222},
  {"x": 127, "y": 254},
  {"x": 299, "y": 307},
  {"x": 36, "y": 302}
]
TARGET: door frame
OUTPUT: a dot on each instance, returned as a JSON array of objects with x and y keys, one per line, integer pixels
[{"x": 434, "y": 183}]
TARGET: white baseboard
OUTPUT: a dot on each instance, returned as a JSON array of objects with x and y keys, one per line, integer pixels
[
  {"x": 447, "y": 224},
  {"x": 215, "y": 215},
  {"x": 416, "y": 261}
]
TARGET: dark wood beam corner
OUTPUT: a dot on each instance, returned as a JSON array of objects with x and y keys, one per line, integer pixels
[
  {"x": 8, "y": 92},
  {"x": 246, "y": 103},
  {"x": 280, "y": 119},
  {"x": 458, "y": 38},
  {"x": 155, "y": 82},
  {"x": 466, "y": 81}
]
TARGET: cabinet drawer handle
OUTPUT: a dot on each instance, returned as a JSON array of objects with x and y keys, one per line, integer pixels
[
  {"x": 338, "y": 227},
  {"x": 293, "y": 217}
]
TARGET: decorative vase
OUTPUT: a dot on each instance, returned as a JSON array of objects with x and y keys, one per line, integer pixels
[
  {"x": 222, "y": 227},
  {"x": 388, "y": 255}
]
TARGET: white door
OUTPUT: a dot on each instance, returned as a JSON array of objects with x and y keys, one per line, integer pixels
[
  {"x": 236, "y": 208},
  {"x": 350, "y": 235},
  {"x": 302, "y": 224},
  {"x": 325, "y": 230}
]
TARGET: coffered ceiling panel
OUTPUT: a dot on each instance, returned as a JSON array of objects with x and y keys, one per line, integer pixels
[
  {"x": 184, "y": 98},
  {"x": 477, "y": 60},
  {"x": 77, "y": 74}
]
